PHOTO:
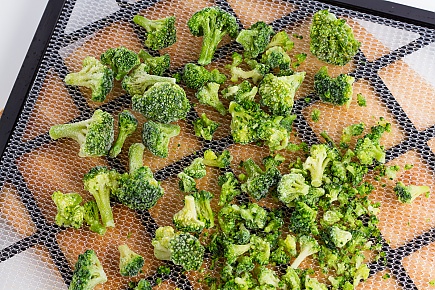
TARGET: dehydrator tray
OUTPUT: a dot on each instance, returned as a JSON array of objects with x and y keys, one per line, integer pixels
[{"x": 394, "y": 70}]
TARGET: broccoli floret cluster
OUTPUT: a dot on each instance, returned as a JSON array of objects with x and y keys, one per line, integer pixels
[
  {"x": 156, "y": 137},
  {"x": 408, "y": 193},
  {"x": 257, "y": 72},
  {"x": 337, "y": 91},
  {"x": 209, "y": 95},
  {"x": 88, "y": 272},
  {"x": 255, "y": 39},
  {"x": 196, "y": 76},
  {"x": 121, "y": 60},
  {"x": 155, "y": 65},
  {"x": 204, "y": 127},
  {"x": 161, "y": 33},
  {"x": 213, "y": 160},
  {"x": 130, "y": 263}
]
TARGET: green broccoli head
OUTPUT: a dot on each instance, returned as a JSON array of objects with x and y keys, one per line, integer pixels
[
  {"x": 69, "y": 211},
  {"x": 163, "y": 102},
  {"x": 187, "y": 219},
  {"x": 308, "y": 246},
  {"x": 155, "y": 65},
  {"x": 274, "y": 135},
  {"x": 279, "y": 256},
  {"x": 336, "y": 237},
  {"x": 230, "y": 188},
  {"x": 186, "y": 183},
  {"x": 244, "y": 264},
  {"x": 228, "y": 217},
  {"x": 351, "y": 131},
  {"x": 408, "y": 193},
  {"x": 209, "y": 95},
  {"x": 186, "y": 251},
  {"x": 259, "y": 182},
  {"x": 143, "y": 284},
  {"x": 292, "y": 186},
  {"x": 303, "y": 219},
  {"x": 156, "y": 137},
  {"x": 276, "y": 57},
  {"x": 88, "y": 272},
  {"x": 92, "y": 217},
  {"x": 204, "y": 127},
  {"x": 94, "y": 135},
  {"x": 254, "y": 216},
  {"x": 213, "y": 160},
  {"x": 257, "y": 72},
  {"x": 316, "y": 163},
  {"x": 313, "y": 283},
  {"x": 127, "y": 125},
  {"x": 161, "y": 33},
  {"x": 278, "y": 93},
  {"x": 196, "y": 169},
  {"x": 233, "y": 251},
  {"x": 291, "y": 280},
  {"x": 332, "y": 39},
  {"x": 255, "y": 39},
  {"x": 196, "y": 76},
  {"x": 243, "y": 93},
  {"x": 337, "y": 91},
  {"x": 121, "y": 60},
  {"x": 203, "y": 208},
  {"x": 161, "y": 242},
  {"x": 281, "y": 39},
  {"x": 245, "y": 122},
  {"x": 246, "y": 281},
  {"x": 268, "y": 277},
  {"x": 213, "y": 24},
  {"x": 260, "y": 250},
  {"x": 130, "y": 263},
  {"x": 93, "y": 75}
]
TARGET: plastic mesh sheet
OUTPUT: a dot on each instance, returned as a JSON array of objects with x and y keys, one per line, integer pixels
[{"x": 392, "y": 70}]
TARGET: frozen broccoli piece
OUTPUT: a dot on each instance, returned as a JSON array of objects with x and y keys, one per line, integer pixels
[
  {"x": 291, "y": 187},
  {"x": 143, "y": 284},
  {"x": 155, "y": 65},
  {"x": 315, "y": 115},
  {"x": 196, "y": 76},
  {"x": 408, "y": 193},
  {"x": 204, "y": 127},
  {"x": 209, "y": 95},
  {"x": 276, "y": 57},
  {"x": 308, "y": 246},
  {"x": 127, "y": 125},
  {"x": 351, "y": 131},
  {"x": 203, "y": 208},
  {"x": 281, "y": 39},
  {"x": 121, "y": 60},
  {"x": 88, "y": 272},
  {"x": 161, "y": 33},
  {"x": 130, "y": 263},
  {"x": 257, "y": 72},
  {"x": 69, "y": 211},
  {"x": 196, "y": 169},
  {"x": 221, "y": 161},
  {"x": 303, "y": 219},
  {"x": 337, "y": 91},
  {"x": 186, "y": 183},
  {"x": 187, "y": 219},
  {"x": 230, "y": 188},
  {"x": 316, "y": 163},
  {"x": 255, "y": 39},
  {"x": 92, "y": 217},
  {"x": 259, "y": 181},
  {"x": 156, "y": 137}
]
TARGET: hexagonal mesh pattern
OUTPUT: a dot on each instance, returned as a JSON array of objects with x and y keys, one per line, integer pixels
[{"x": 387, "y": 73}]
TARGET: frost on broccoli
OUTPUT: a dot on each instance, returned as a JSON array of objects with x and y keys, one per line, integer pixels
[
  {"x": 156, "y": 137},
  {"x": 243, "y": 93},
  {"x": 121, "y": 60},
  {"x": 161, "y": 33},
  {"x": 93, "y": 75},
  {"x": 196, "y": 169},
  {"x": 92, "y": 217},
  {"x": 130, "y": 263},
  {"x": 291, "y": 187},
  {"x": 351, "y": 131},
  {"x": 259, "y": 181},
  {"x": 69, "y": 211},
  {"x": 316, "y": 163},
  {"x": 408, "y": 193},
  {"x": 155, "y": 65},
  {"x": 187, "y": 219},
  {"x": 213, "y": 160},
  {"x": 204, "y": 127},
  {"x": 88, "y": 272},
  {"x": 255, "y": 39},
  {"x": 337, "y": 91},
  {"x": 230, "y": 188},
  {"x": 281, "y": 39},
  {"x": 196, "y": 76},
  {"x": 209, "y": 95},
  {"x": 127, "y": 125}
]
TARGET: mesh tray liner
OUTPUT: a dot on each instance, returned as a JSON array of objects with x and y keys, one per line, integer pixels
[{"x": 34, "y": 166}]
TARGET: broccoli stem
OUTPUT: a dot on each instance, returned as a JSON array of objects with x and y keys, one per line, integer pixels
[
  {"x": 210, "y": 42},
  {"x": 75, "y": 131},
  {"x": 117, "y": 146},
  {"x": 102, "y": 197},
  {"x": 144, "y": 22},
  {"x": 135, "y": 156}
]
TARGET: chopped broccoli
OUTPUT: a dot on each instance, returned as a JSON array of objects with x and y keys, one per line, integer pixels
[
  {"x": 187, "y": 219},
  {"x": 161, "y": 33},
  {"x": 221, "y": 161},
  {"x": 281, "y": 39},
  {"x": 315, "y": 115},
  {"x": 92, "y": 217},
  {"x": 332, "y": 39},
  {"x": 245, "y": 123},
  {"x": 255, "y": 39},
  {"x": 289, "y": 244},
  {"x": 203, "y": 208},
  {"x": 233, "y": 251},
  {"x": 280, "y": 256},
  {"x": 243, "y": 93},
  {"x": 408, "y": 193},
  {"x": 155, "y": 65},
  {"x": 213, "y": 24},
  {"x": 93, "y": 75},
  {"x": 316, "y": 163},
  {"x": 337, "y": 91},
  {"x": 260, "y": 250},
  {"x": 292, "y": 186},
  {"x": 362, "y": 273},
  {"x": 156, "y": 137},
  {"x": 88, "y": 272},
  {"x": 338, "y": 236},
  {"x": 229, "y": 188},
  {"x": 351, "y": 131},
  {"x": 258, "y": 181},
  {"x": 245, "y": 282},
  {"x": 368, "y": 147},
  {"x": 273, "y": 133},
  {"x": 290, "y": 280},
  {"x": 204, "y": 127},
  {"x": 69, "y": 211},
  {"x": 254, "y": 216},
  {"x": 228, "y": 217},
  {"x": 196, "y": 76},
  {"x": 94, "y": 135},
  {"x": 300, "y": 58},
  {"x": 186, "y": 184},
  {"x": 163, "y": 102},
  {"x": 361, "y": 100},
  {"x": 268, "y": 277},
  {"x": 257, "y": 72},
  {"x": 127, "y": 125},
  {"x": 121, "y": 60},
  {"x": 143, "y": 284},
  {"x": 196, "y": 169},
  {"x": 276, "y": 57},
  {"x": 208, "y": 95},
  {"x": 314, "y": 284},
  {"x": 308, "y": 246},
  {"x": 303, "y": 219},
  {"x": 130, "y": 263}
]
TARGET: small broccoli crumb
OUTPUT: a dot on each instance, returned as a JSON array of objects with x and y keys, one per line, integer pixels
[
  {"x": 300, "y": 58},
  {"x": 159, "y": 281},
  {"x": 315, "y": 115},
  {"x": 408, "y": 166},
  {"x": 297, "y": 36},
  {"x": 164, "y": 270},
  {"x": 427, "y": 194},
  {"x": 361, "y": 100},
  {"x": 307, "y": 100},
  {"x": 432, "y": 282},
  {"x": 386, "y": 276}
]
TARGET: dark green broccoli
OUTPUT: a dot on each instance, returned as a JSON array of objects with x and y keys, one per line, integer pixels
[
  {"x": 260, "y": 250},
  {"x": 291, "y": 187},
  {"x": 209, "y": 95},
  {"x": 127, "y": 125},
  {"x": 259, "y": 182},
  {"x": 155, "y": 65},
  {"x": 196, "y": 76},
  {"x": 281, "y": 39},
  {"x": 408, "y": 193},
  {"x": 161, "y": 33},
  {"x": 361, "y": 100},
  {"x": 204, "y": 127},
  {"x": 163, "y": 102},
  {"x": 228, "y": 217},
  {"x": 181, "y": 248},
  {"x": 187, "y": 219},
  {"x": 276, "y": 57},
  {"x": 156, "y": 137},
  {"x": 69, "y": 211},
  {"x": 101, "y": 182},
  {"x": 244, "y": 264},
  {"x": 308, "y": 246},
  {"x": 290, "y": 280},
  {"x": 337, "y": 91},
  {"x": 230, "y": 188},
  {"x": 93, "y": 75},
  {"x": 316, "y": 163},
  {"x": 92, "y": 217},
  {"x": 303, "y": 219},
  {"x": 243, "y": 93},
  {"x": 221, "y": 161},
  {"x": 278, "y": 93},
  {"x": 257, "y": 72},
  {"x": 130, "y": 263},
  {"x": 332, "y": 39},
  {"x": 88, "y": 272},
  {"x": 213, "y": 24},
  {"x": 121, "y": 60},
  {"x": 138, "y": 188},
  {"x": 203, "y": 208},
  {"x": 196, "y": 169},
  {"x": 254, "y": 216},
  {"x": 139, "y": 80},
  {"x": 94, "y": 135},
  {"x": 186, "y": 183},
  {"x": 143, "y": 284},
  {"x": 351, "y": 131},
  {"x": 268, "y": 277},
  {"x": 255, "y": 39}
]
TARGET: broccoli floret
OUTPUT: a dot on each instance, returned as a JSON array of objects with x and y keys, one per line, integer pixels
[
  {"x": 88, "y": 272},
  {"x": 156, "y": 137},
  {"x": 367, "y": 149},
  {"x": 228, "y": 217},
  {"x": 331, "y": 217},
  {"x": 130, "y": 263},
  {"x": 213, "y": 24},
  {"x": 244, "y": 264},
  {"x": 361, "y": 100},
  {"x": 138, "y": 189},
  {"x": 196, "y": 76},
  {"x": 245, "y": 123},
  {"x": 290, "y": 280},
  {"x": 254, "y": 216},
  {"x": 281, "y": 39},
  {"x": 337, "y": 91},
  {"x": 300, "y": 58},
  {"x": 338, "y": 236},
  {"x": 186, "y": 183},
  {"x": 196, "y": 169},
  {"x": 408, "y": 193},
  {"x": 280, "y": 256},
  {"x": 308, "y": 246},
  {"x": 243, "y": 93},
  {"x": 155, "y": 65},
  {"x": 139, "y": 80},
  {"x": 351, "y": 131},
  {"x": 92, "y": 217},
  {"x": 258, "y": 181},
  {"x": 121, "y": 60},
  {"x": 255, "y": 39},
  {"x": 93, "y": 75},
  {"x": 332, "y": 39},
  {"x": 143, "y": 284},
  {"x": 161, "y": 33},
  {"x": 315, "y": 115},
  {"x": 233, "y": 251},
  {"x": 127, "y": 125},
  {"x": 362, "y": 273},
  {"x": 303, "y": 219},
  {"x": 316, "y": 163},
  {"x": 292, "y": 186},
  {"x": 69, "y": 211},
  {"x": 230, "y": 188},
  {"x": 187, "y": 219},
  {"x": 276, "y": 57},
  {"x": 208, "y": 95},
  {"x": 257, "y": 72},
  {"x": 274, "y": 135},
  {"x": 260, "y": 250},
  {"x": 213, "y": 160},
  {"x": 245, "y": 282},
  {"x": 242, "y": 235},
  {"x": 289, "y": 244},
  {"x": 204, "y": 127},
  {"x": 267, "y": 276},
  {"x": 314, "y": 284},
  {"x": 94, "y": 135},
  {"x": 101, "y": 182},
  {"x": 163, "y": 102},
  {"x": 278, "y": 93},
  {"x": 181, "y": 248},
  {"x": 203, "y": 208}
]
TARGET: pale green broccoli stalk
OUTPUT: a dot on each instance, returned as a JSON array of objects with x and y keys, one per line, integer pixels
[
  {"x": 186, "y": 183},
  {"x": 213, "y": 160},
  {"x": 408, "y": 193},
  {"x": 230, "y": 188},
  {"x": 257, "y": 72},
  {"x": 259, "y": 182},
  {"x": 155, "y": 65},
  {"x": 291, "y": 187},
  {"x": 281, "y": 39},
  {"x": 164, "y": 102},
  {"x": 156, "y": 137},
  {"x": 308, "y": 246},
  {"x": 255, "y": 39},
  {"x": 337, "y": 91},
  {"x": 203, "y": 208},
  {"x": 161, "y": 33},
  {"x": 121, "y": 60},
  {"x": 303, "y": 219},
  {"x": 232, "y": 251},
  {"x": 187, "y": 219},
  {"x": 278, "y": 93},
  {"x": 130, "y": 263},
  {"x": 94, "y": 135},
  {"x": 351, "y": 131},
  {"x": 204, "y": 127},
  {"x": 93, "y": 75},
  {"x": 314, "y": 284},
  {"x": 88, "y": 272},
  {"x": 260, "y": 250},
  {"x": 331, "y": 39},
  {"x": 127, "y": 125},
  {"x": 290, "y": 280},
  {"x": 196, "y": 169},
  {"x": 213, "y": 24},
  {"x": 268, "y": 277},
  {"x": 69, "y": 211},
  {"x": 316, "y": 163},
  {"x": 196, "y": 76},
  {"x": 276, "y": 57},
  {"x": 143, "y": 284},
  {"x": 92, "y": 217},
  {"x": 209, "y": 95}
]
